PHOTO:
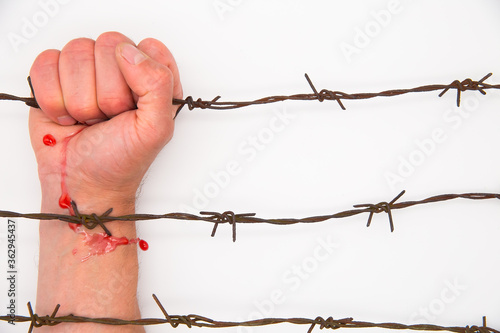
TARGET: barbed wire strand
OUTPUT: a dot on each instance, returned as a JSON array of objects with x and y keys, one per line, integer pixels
[
  {"x": 193, "y": 320},
  {"x": 322, "y": 95},
  {"x": 90, "y": 221}
]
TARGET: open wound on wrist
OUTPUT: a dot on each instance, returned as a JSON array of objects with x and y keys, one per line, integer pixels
[{"x": 101, "y": 243}]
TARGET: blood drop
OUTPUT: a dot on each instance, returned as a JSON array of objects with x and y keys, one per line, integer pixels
[
  {"x": 49, "y": 140},
  {"x": 65, "y": 201},
  {"x": 143, "y": 245}
]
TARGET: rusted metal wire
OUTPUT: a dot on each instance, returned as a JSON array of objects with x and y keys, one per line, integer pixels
[
  {"x": 90, "y": 221},
  {"x": 193, "y": 320},
  {"x": 322, "y": 95}
]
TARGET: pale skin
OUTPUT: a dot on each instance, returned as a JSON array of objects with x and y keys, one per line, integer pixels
[{"x": 121, "y": 95}]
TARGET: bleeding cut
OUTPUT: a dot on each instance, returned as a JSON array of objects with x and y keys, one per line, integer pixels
[
  {"x": 98, "y": 243},
  {"x": 101, "y": 243}
]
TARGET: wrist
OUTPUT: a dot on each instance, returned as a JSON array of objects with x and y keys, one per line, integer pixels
[
  {"x": 73, "y": 242},
  {"x": 88, "y": 201}
]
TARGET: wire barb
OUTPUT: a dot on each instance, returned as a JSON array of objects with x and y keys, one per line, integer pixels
[
  {"x": 381, "y": 207},
  {"x": 330, "y": 323},
  {"x": 467, "y": 84},
  {"x": 226, "y": 217},
  {"x": 36, "y": 321},
  {"x": 326, "y": 94},
  {"x": 91, "y": 221}
]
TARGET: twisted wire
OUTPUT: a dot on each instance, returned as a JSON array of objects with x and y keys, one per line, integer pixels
[
  {"x": 338, "y": 96},
  {"x": 322, "y": 95},
  {"x": 193, "y": 320},
  {"x": 93, "y": 220}
]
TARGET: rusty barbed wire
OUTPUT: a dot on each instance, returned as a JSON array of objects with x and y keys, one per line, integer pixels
[
  {"x": 193, "y": 320},
  {"x": 90, "y": 221},
  {"x": 322, "y": 95}
]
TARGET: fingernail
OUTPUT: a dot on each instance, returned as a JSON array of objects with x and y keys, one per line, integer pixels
[
  {"x": 94, "y": 121},
  {"x": 66, "y": 120},
  {"x": 132, "y": 54}
]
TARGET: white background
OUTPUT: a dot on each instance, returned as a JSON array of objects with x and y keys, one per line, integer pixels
[{"x": 442, "y": 258}]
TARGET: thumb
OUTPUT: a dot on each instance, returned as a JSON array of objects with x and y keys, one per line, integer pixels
[{"x": 153, "y": 84}]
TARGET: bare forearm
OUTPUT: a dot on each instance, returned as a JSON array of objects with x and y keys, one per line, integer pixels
[{"x": 103, "y": 285}]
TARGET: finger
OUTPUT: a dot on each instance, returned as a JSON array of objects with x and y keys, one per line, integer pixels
[
  {"x": 113, "y": 93},
  {"x": 44, "y": 76},
  {"x": 153, "y": 83},
  {"x": 160, "y": 53},
  {"x": 77, "y": 77}
]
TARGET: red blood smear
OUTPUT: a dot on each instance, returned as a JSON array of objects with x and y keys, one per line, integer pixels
[
  {"x": 73, "y": 226},
  {"x": 143, "y": 245},
  {"x": 49, "y": 140},
  {"x": 65, "y": 201},
  {"x": 100, "y": 244}
]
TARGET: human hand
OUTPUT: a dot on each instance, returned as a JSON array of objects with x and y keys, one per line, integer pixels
[{"x": 121, "y": 100}]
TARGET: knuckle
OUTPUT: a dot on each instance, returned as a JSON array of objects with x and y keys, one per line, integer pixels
[
  {"x": 111, "y": 38},
  {"x": 114, "y": 103},
  {"x": 78, "y": 51},
  {"x": 45, "y": 58},
  {"x": 82, "y": 111},
  {"x": 79, "y": 45},
  {"x": 160, "y": 77}
]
